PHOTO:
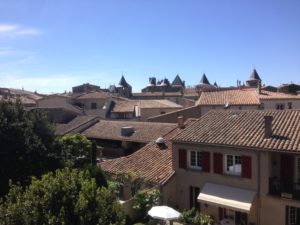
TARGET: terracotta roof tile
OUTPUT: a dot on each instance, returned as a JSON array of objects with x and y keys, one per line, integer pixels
[
  {"x": 143, "y": 131},
  {"x": 229, "y": 96},
  {"x": 246, "y": 129},
  {"x": 152, "y": 164},
  {"x": 270, "y": 95},
  {"x": 78, "y": 121},
  {"x": 128, "y": 106},
  {"x": 94, "y": 95}
]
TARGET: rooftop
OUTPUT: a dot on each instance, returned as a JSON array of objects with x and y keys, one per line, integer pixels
[
  {"x": 245, "y": 129},
  {"x": 94, "y": 95},
  {"x": 241, "y": 96},
  {"x": 151, "y": 163},
  {"x": 143, "y": 131},
  {"x": 62, "y": 129}
]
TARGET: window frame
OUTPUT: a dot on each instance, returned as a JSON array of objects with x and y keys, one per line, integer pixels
[
  {"x": 292, "y": 218},
  {"x": 234, "y": 159},
  {"x": 198, "y": 165}
]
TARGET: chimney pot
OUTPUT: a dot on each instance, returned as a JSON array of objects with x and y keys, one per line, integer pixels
[
  {"x": 268, "y": 126},
  {"x": 180, "y": 122}
]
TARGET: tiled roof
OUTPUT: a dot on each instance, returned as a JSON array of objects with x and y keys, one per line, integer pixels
[
  {"x": 56, "y": 101},
  {"x": 143, "y": 131},
  {"x": 152, "y": 164},
  {"x": 123, "y": 106},
  {"x": 162, "y": 103},
  {"x": 269, "y": 95},
  {"x": 245, "y": 129},
  {"x": 128, "y": 106},
  {"x": 157, "y": 94},
  {"x": 78, "y": 121},
  {"x": 191, "y": 91},
  {"x": 230, "y": 96},
  {"x": 94, "y": 95},
  {"x": 241, "y": 96}
]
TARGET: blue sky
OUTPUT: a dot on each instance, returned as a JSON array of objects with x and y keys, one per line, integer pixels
[{"x": 50, "y": 46}]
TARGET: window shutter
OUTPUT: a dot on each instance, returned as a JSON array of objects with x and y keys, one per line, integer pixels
[
  {"x": 182, "y": 158},
  {"x": 246, "y": 167},
  {"x": 206, "y": 161},
  {"x": 218, "y": 163}
]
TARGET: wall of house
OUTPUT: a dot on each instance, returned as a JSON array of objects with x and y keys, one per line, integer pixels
[
  {"x": 272, "y": 205},
  {"x": 271, "y": 104},
  {"x": 205, "y": 109},
  {"x": 192, "y": 112},
  {"x": 87, "y": 103},
  {"x": 190, "y": 177},
  {"x": 150, "y": 112},
  {"x": 168, "y": 193}
]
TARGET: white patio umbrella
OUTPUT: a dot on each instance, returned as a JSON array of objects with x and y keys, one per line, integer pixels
[{"x": 164, "y": 213}]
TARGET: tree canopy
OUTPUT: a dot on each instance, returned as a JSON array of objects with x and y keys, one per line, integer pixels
[
  {"x": 27, "y": 144},
  {"x": 68, "y": 196},
  {"x": 75, "y": 149}
]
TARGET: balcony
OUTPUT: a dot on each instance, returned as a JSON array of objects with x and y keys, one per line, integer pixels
[{"x": 278, "y": 188}]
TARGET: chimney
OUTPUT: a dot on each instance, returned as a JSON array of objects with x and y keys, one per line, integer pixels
[
  {"x": 180, "y": 122},
  {"x": 259, "y": 87},
  {"x": 268, "y": 126}
]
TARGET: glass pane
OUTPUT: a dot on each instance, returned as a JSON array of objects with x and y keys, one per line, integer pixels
[
  {"x": 193, "y": 158},
  {"x": 199, "y": 160}
]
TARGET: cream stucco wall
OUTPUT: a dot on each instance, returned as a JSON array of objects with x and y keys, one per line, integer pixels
[
  {"x": 188, "y": 177},
  {"x": 271, "y": 104},
  {"x": 205, "y": 109}
]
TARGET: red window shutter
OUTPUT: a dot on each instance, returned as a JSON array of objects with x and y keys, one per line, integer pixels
[
  {"x": 182, "y": 158},
  {"x": 218, "y": 163},
  {"x": 246, "y": 167},
  {"x": 206, "y": 161}
]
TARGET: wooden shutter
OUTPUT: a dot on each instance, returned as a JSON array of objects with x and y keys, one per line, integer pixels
[
  {"x": 246, "y": 167},
  {"x": 218, "y": 163},
  {"x": 206, "y": 161},
  {"x": 182, "y": 158}
]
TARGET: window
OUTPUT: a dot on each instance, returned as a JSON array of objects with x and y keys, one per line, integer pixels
[
  {"x": 290, "y": 105},
  {"x": 195, "y": 160},
  {"x": 280, "y": 106},
  {"x": 93, "y": 105},
  {"x": 292, "y": 215},
  {"x": 237, "y": 216},
  {"x": 233, "y": 164}
]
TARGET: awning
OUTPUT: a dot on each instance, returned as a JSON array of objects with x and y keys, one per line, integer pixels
[{"x": 226, "y": 196}]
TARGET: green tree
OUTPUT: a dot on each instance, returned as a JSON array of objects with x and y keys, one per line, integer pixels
[
  {"x": 75, "y": 150},
  {"x": 27, "y": 145},
  {"x": 69, "y": 196}
]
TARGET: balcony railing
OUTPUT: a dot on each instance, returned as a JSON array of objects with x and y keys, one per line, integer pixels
[{"x": 279, "y": 188}]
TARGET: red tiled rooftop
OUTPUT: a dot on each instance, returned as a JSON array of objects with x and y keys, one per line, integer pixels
[
  {"x": 245, "y": 129},
  {"x": 143, "y": 131}
]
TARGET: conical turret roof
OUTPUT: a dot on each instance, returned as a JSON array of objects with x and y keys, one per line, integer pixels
[
  {"x": 123, "y": 82},
  {"x": 254, "y": 76},
  {"x": 177, "y": 81},
  {"x": 204, "y": 80}
]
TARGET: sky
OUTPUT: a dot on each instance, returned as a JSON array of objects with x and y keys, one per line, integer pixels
[{"x": 51, "y": 45}]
